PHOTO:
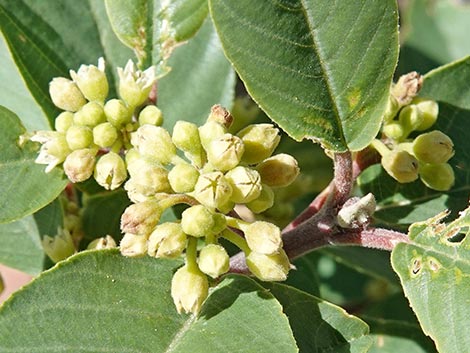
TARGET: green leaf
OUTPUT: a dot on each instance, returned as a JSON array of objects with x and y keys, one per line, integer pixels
[
  {"x": 95, "y": 293},
  {"x": 320, "y": 326},
  {"x": 435, "y": 273},
  {"x": 153, "y": 29},
  {"x": 437, "y": 29},
  {"x": 403, "y": 204},
  {"x": 20, "y": 246},
  {"x": 320, "y": 69},
  {"x": 44, "y": 44},
  {"x": 200, "y": 77},
  {"x": 449, "y": 84},
  {"x": 25, "y": 186},
  {"x": 102, "y": 214}
]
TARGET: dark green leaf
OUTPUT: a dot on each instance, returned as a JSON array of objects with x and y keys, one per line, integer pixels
[
  {"x": 407, "y": 203},
  {"x": 320, "y": 69},
  {"x": 200, "y": 77},
  {"x": 95, "y": 294},
  {"x": 153, "y": 29},
  {"x": 435, "y": 270},
  {"x": 449, "y": 84},
  {"x": 319, "y": 326},
  {"x": 25, "y": 186}
]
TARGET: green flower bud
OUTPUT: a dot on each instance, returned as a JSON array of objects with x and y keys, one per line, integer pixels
[
  {"x": 214, "y": 260},
  {"x": 92, "y": 81},
  {"x": 263, "y": 237},
  {"x": 59, "y": 247},
  {"x": 63, "y": 121},
  {"x": 79, "y": 165},
  {"x": 199, "y": 221},
  {"x": 433, "y": 147},
  {"x": 438, "y": 177},
  {"x": 220, "y": 115},
  {"x": 135, "y": 85},
  {"x": 141, "y": 218},
  {"x": 183, "y": 178},
  {"x": 264, "y": 201},
  {"x": 410, "y": 118},
  {"x": 54, "y": 149},
  {"x": 269, "y": 267},
  {"x": 186, "y": 138},
  {"x": 394, "y": 130},
  {"x": 246, "y": 184},
  {"x": 279, "y": 170},
  {"x": 167, "y": 240},
  {"x": 189, "y": 289},
  {"x": 210, "y": 131},
  {"x": 154, "y": 143},
  {"x": 225, "y": 152},
  {"x": 91, "y": 114},
  {"x": 133, "y": 245},
  {"x": 105, "y": 135},
  {"x": 110, "y": 171},
  {"x": 356, "y": 212},
  {"x": 392, "y": 109},
  {"x": 79, "y": 137},
  {"x": 212, "y": 190},
  {"x": 106, "y": 242},
  {"x": 65, "y": 94},
  {"x": 117, "y": 113},
  {"x": 429, "y": 110},
  {"x": 260, "y": 140},
  {"x": 147, "y": 179},
  {"x": 151, "y": 115},
  {"x": 401, "y": 165}
]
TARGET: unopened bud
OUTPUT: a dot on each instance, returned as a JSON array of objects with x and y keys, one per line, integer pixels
[
  {"x": 279, "y": 170},
  {"x": 65, "y": 94},
  {"x": 117, "y": 113},
  {"x": 429, "y": 111},
  {"x": 199, "y": 221},
  {"x": 167, "y": 240},
  {"x": 212, "y": 189},
  {"x": 189, "y": 289},
  {"x": 147, "y": 179},
  {"x": 63, "y": 121},
  {"x": 225, "y": 152},
  {"x": 245, "y": 182},
  {"x": 141, "y": 218},
  {"x": 401, "y": 165},
  {"x": 59, "y": 247},
  {"x": 79, "y": 137},
  {"x": 186, "y": 138},
  {"x": 154, "y": 142},
  {"x": 213, "y": 260},
  {"x": 264, "y": 201},
  {"x": 433, "y": 147},
  {"x": 394, "y": 130},
  {"x": 92, "y": 81},
  {"x": 220, "y": 115},
  {"x": 151, "y": 115},
  {"x": 438, "y": 177},
  {"x": 106, "y": 242},
  {"x": 133, "y": 245},
  {"x": 183, "y": 178},
  {"x": 210, "y": 131},
  {"x": 79, "y": 165},
  {"x": 269, "y": 267},
  {"x": 407, "y": 88},
  {"x": 260, "y": 140},
  {"x": 356, "y": 212},
  {"x": 263, "y": 237},
  {"x": 410, "y": 118},
  {"x": 91, "y": 114},
  {"x": 105, "y": 134},
  {"x": 110, "y": 171}
]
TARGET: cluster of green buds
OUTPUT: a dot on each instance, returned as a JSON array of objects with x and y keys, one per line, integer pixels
[
  {"x": 210, "y": 169},
  {"x": 91, "y": 133},
  {"x": 424, "y": 156}
]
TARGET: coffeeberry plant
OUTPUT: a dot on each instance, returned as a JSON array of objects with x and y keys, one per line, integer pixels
[{"x": 235, "y": 176}]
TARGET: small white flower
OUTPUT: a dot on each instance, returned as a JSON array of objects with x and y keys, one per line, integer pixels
[
  {"x": 54, "y": 148},
  {"x": 135, "y": 85}
]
